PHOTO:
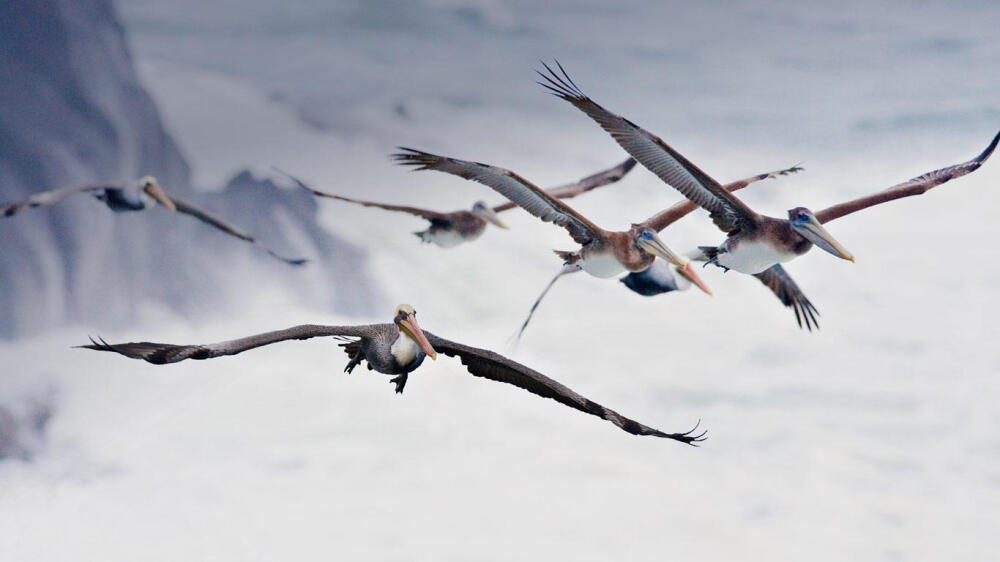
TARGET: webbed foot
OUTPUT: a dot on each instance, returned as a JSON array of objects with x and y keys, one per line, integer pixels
[{"x": 400, "y": 382}]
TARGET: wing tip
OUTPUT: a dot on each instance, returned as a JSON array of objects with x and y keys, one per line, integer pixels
[
  {"x": 560, "y": 86},
  {"x": 984, "y": 155},
  {"x": 418, "y": 159},
  {"x": 689, "y": 437},
  {"x": 98, "y": 345}
]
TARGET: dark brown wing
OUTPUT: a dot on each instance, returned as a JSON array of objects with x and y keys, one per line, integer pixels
[
  {"x": 570, "y": 190},
  {"x": 162, "y": 353},
  {"x": 45, "y": 198},
  {"x": 728, "y": 212},
  {"x": 493, "y": 366},
  {"x": 424, "y": 213},
  {"x": 916, "y": 186},
  {"x": 789, "y": 293},
  {"x": 528, "y": 196},
  {"x": 675, "y": 212},
  {"x": 208, "y": 218}
]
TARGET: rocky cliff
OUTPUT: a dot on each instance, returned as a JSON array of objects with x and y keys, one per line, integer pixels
[{"x": 72, "y": 111}]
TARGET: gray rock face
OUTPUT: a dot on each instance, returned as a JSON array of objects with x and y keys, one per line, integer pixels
[
  {"x": 285, "y": 220},
  {"x": 73, "y": 112}
]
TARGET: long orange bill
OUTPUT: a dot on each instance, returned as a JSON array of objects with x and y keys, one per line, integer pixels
[
  {"x": 656, "y": 247},
  {"x": 818, "y": 235},
  {"x": 411, "y": 325},
  {"x": 155, "y": 192},
  {"x": 688, "y": 272}
]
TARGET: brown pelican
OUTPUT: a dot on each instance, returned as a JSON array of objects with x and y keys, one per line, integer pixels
[
  {"x": 397, "y": 349},
  {"x": 603, "y": 253},
  {"x": 754, "y": 242},
  {"x": 451, "y": 229},
  {"x": 659, "y": 277},
  {"x": 138, "y": 197}
]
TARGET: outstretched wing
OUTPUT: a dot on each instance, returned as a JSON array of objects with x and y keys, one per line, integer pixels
[
  {"x": 675, "y": 212},
  {"x": 789, "y": 293},
  {"x": 916, "y": 186},
  {"x": 423, "y": 213},
  {"x": 728, "y": 212},
  {"x": 490, "y": 365},
  {"x": 528, "y": 196},
  {"x": 45, "y": 198},
  {"x": 593, "y": 181},
  {"x": 208, "y": 218},
  {"x": 162, "y": 353}
]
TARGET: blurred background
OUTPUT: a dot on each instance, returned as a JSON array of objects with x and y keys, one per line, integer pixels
[{"x": 872, "y": 439}]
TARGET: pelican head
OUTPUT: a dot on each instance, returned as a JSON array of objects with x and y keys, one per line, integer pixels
[
  {"x": 487, "y": 213},
  {"x": 150, "y": 187},
  {"x": 804, "y": 222},
  {"x": 647, "y": 240},
  {"x": 406, "y": 321}
]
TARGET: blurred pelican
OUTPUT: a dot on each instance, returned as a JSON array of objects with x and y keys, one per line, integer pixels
[
  {"x": 138, "y": 197},
  {"x": 449, "y": 229}
]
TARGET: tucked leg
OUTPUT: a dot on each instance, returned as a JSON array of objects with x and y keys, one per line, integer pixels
[
  {"x": 354, "y": 362},
  {"x": 400, "y": 382}
]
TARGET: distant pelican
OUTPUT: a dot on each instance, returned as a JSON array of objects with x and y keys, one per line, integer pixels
[
  {"x": 448, "y": 230},
  {"x": 397, "y": 349},
  {"x": 138, "y": 197},
  {"x": 602, "y": 253},
  {"x": 659, "y": 277},
  {"x": 754, "y": 242}
]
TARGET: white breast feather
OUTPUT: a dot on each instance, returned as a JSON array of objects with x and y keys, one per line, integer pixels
[
  {"x": 752, "y": 257},
  {"x": 404, "y": 349},
  {"x": 449, "y": 238},
  {"x": 602, "y": 265}
]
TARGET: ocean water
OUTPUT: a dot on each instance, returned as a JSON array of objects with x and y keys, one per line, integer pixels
[{"x": 873, "y": 439}]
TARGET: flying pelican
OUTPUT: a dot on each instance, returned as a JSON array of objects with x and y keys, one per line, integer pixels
[
  {"x": 754, "y": 242},
  {"x": 448, "y": 230},
  {"x": 139, "y": 197},
  {"x": 659, "y": 278},
  {"x": 603, "y": 253},
  {"x": 397, "y": 349}
]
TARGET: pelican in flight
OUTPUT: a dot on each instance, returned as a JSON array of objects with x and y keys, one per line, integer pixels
[
  {"x": 754, "y": 242},
  {"x": 138, "y": 197},
  {"x": 448, "y": 230},
  {"x": 659, "y": 277},
  {"x": 398, "y": 349},
  {"x": 603, "y": 253}
]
